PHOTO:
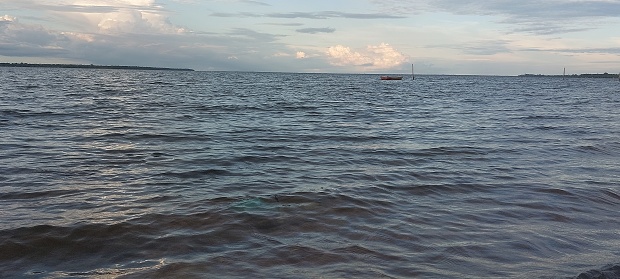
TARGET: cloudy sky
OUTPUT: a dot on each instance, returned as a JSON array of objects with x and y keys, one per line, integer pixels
[{"x": 491, "y": 37}]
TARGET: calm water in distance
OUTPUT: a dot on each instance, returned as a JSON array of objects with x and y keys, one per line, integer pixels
[{"x": 159, "y": 174}]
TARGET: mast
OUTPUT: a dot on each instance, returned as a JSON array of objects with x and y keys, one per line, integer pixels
[
  {"x": 564, "y": 75},
  {"x": 412, "y": 76}
]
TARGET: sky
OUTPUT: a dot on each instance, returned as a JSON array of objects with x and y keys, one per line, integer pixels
[{"x": 477, "y": 37}]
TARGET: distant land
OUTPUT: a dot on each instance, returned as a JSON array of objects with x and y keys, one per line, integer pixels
[
  {"x": 91, "y": 66},
  {"x": 604, "y": 75}
]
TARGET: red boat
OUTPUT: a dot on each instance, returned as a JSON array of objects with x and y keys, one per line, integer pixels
[{"x": 391, "y": 77}]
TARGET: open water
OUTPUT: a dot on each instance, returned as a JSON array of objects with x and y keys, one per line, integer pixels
[{"x": 160, "y": 174}]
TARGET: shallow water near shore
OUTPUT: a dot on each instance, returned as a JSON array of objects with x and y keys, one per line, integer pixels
[{"x": 159, "y": 174}]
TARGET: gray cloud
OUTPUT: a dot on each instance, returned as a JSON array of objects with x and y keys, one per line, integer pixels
[
  {"x": 546, "y": 29},
  {"x": 80, "y": 8},
  {"x": 20, "y": 40},
  {"x": 525, "y": 9},
  {"x": 253, "y": 35},
  {"x": 24, "y": 50},
  {"x": 239, "y": 49},
  {"x": 607, "y": 50},
  {"x": 284, "y": 24},
  {"x": 487, "y": 47},
  {"x": 529, "y": 16},
  {"x": 254, "y": 2},
  {"x": 484, "y": 47},
  {"x": 33, "y": 5},
  {"x": 312, "y": 15},
  {"x": 316, "y": 30},
  {"x": 491, "y": 47}
]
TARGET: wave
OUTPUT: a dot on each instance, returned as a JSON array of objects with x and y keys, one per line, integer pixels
[{"x": 610, "y": 271}]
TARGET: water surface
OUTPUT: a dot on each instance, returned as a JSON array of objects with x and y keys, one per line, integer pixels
[{"x": 135, "y": 174}]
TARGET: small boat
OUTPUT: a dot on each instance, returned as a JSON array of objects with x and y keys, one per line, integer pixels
[{"x": 391, "y": 77}]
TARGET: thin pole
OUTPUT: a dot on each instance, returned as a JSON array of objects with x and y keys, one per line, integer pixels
[{"x": 412, "y": 76}]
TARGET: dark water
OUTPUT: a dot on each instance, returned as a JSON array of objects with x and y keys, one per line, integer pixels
[{"x": 147, "y": 174}]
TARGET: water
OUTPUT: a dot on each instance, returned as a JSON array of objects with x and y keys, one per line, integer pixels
[{"x": 155, "y": 174}]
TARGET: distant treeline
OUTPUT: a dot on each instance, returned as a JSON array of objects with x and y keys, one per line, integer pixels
[
  {"x": 91, "y": 66},
  {"x": 604, "y": 75}
]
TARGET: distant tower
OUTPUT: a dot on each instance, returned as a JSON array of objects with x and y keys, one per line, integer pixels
[{"x": 564, "y": 74}]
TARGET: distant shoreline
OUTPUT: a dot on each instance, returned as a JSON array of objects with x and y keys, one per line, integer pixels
[
  {"x": 91, "y": 66},
  {"x": 604, "y": 75}
]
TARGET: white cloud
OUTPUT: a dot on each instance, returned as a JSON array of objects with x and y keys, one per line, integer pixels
[
  {"x": 378, "y": 57},
  {"x": 385, "y": 56},
  {"x": 343, "y": 56},
  {"x": 281, "y": 54},
  {"x": 80, "y": 36},
  {"x": 7, "y": 18},
  {"x": 300, "y": 55},
  {"x": 124, "y": 16}
]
